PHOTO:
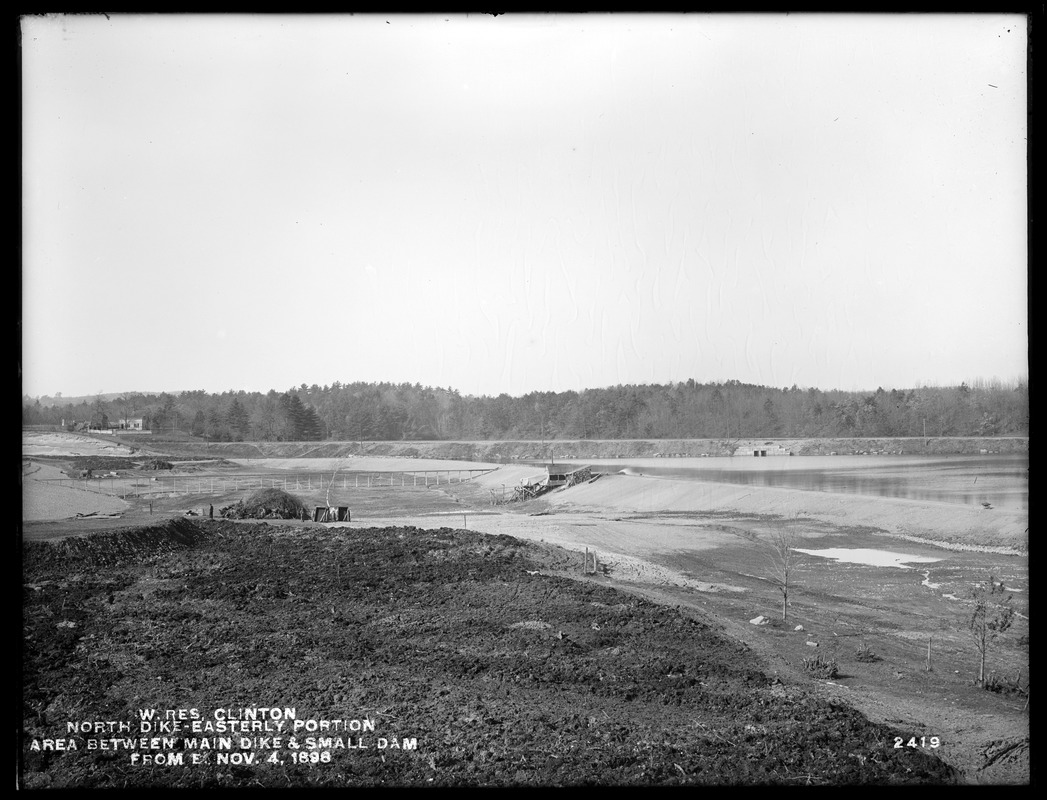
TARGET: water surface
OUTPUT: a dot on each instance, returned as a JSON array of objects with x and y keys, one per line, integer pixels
[
  {"x": 869, "y": 556},
  {"x": 1001, "y": 481}
]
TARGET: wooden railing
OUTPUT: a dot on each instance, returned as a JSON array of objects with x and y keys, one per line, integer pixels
[{"x": 142, "y": 486}]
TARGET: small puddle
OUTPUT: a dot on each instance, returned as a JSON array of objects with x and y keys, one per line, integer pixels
[
  {"x": 927, "y": 580},
  {"x": 870, "y": 557}
]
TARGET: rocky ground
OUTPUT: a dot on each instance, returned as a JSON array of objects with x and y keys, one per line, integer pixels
[{"x": 476, "y": 654}]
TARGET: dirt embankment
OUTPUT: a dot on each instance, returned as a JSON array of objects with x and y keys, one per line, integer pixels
[
  {"x": 475, "y": 648},
  {"x": 501, "y": 451}
]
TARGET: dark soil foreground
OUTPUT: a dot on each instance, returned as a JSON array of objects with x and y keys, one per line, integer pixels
[{"x": 452, "y": 658}]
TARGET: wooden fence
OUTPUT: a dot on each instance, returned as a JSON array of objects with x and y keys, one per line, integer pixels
[{"x": 140, "y": 486}]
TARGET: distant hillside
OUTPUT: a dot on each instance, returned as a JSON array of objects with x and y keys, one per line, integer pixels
[{"x": 60, "y": 399}]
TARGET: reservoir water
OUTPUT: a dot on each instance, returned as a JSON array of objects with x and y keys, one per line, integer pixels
[{"x": 1002, "y": 481}]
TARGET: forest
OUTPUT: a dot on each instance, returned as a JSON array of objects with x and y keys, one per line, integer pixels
[{"x": 685, "y": 410}]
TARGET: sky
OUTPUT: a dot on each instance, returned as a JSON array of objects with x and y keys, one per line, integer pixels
[{"x": 523, "y": 202}]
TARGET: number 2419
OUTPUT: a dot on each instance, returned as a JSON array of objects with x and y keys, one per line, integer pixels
[{"x": 923, "y": 741}]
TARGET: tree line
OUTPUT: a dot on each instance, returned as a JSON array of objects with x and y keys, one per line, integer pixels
[{"x": 685, "y": 410}]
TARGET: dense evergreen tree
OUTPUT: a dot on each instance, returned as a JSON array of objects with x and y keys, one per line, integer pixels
[
  {"x": 311, "y": 429},
  {"x": 238, "y": 418}
]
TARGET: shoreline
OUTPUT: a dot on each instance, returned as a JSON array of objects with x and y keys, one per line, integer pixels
[
  {"x": 935, "y": 522},
  {"x": 948, "y": 525}
]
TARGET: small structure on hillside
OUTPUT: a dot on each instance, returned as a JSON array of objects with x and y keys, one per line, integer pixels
[
  {"x": 567, "y": 474},
  {"x": 557, "y": 476},
  {"x": 762, "y": 450}
]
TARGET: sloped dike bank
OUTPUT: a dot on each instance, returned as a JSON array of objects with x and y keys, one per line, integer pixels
[
  {"x": 446, "y": 657},
  {"x": 121, "y": 547}
]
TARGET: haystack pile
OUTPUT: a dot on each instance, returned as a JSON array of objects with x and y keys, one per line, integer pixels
[{"x": 267, "y": 504}]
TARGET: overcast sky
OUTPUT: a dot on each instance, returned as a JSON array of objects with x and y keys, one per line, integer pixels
[{"x": 518, "y": 203}]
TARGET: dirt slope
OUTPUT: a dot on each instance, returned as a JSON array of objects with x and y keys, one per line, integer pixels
[
  {"x": 476, "y": 650},
  {"x": 584, "y": 449}
]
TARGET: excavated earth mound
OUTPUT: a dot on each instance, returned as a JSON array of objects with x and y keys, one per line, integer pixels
[
  {"x": 466, "y": 649},
  {"x": 267, "y": 504}
]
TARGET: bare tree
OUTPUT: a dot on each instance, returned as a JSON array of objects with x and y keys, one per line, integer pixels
[
  {"x": 329, "y": 486},
  {"x": 991, "y": 615},
  {"x": 782, "y": 564}
]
